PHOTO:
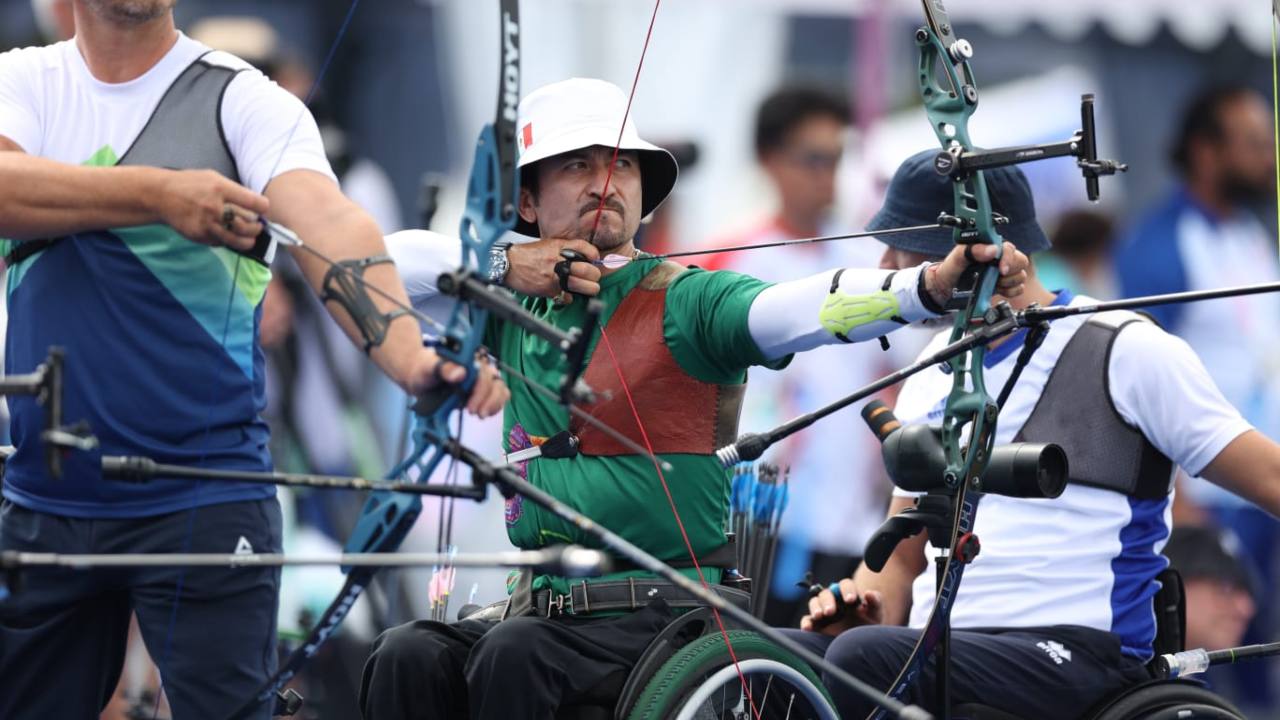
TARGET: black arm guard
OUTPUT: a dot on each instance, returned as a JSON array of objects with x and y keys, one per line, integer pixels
[{"x": 345, "y": 285}]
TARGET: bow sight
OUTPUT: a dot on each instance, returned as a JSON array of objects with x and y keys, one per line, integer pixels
[
  {"x": 955, "y": 101},
  {"x": 956, "y": 162}
]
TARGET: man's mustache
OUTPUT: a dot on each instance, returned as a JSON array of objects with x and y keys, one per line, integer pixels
[{"x": 610, "y": 204}]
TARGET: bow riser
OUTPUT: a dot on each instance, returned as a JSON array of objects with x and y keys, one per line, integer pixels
[
  {"x": 490, "y": 213},
  {"x": 949, "y": 108},
  {"x": 969, "y": 407}
]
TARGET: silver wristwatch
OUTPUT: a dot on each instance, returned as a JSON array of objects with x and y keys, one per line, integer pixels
[{"x": 498, "y": 264}]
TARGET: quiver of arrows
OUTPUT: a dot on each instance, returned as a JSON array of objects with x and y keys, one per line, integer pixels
[{"x": 757, "y": 498}]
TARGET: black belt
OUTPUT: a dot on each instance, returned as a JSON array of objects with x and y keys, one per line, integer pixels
[{"x": 585, "y": 598}]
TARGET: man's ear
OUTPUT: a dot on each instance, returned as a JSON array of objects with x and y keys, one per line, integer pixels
[
  {"x": 771, "y": 162},
  {"x": 528, "y": 206}
]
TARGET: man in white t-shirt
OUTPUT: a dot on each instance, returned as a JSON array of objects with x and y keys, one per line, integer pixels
[
  {"x": 1055, "y": 614},
  {"x": 135, "y": 163}
]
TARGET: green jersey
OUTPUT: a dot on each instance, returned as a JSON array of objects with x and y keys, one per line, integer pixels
[{"x": 705, "y": 327}]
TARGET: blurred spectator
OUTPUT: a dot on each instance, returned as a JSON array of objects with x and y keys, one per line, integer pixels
[
  {"x": 838, "y": 493},
  {"x": 1080, "y": 259},
  {"x": 656, "y": 234},
  {"x": 799, "y": 139},
  {"x": 255, "y": 41},
  {"x": 1204, "y": 235},
  {"x": 54, "y": 19},
  {"x": 1219, "y": 588}
]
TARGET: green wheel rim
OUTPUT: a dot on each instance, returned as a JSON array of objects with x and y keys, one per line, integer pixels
[{"x": 679, "y": 675}]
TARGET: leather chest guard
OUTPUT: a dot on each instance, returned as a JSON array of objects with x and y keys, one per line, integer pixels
[{"x": 681, "y": 413}]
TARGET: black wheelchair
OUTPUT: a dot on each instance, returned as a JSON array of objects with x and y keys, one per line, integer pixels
[
  {"x": 1154, "y": 700},
  {"x": 687, "y": 673}
]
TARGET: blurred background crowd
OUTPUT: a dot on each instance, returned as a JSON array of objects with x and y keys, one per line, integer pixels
[{"x": 788, "y": 117}]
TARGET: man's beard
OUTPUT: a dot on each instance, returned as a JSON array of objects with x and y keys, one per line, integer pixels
[
  {"x": 1241, "y": 190},
  {"x": 603, "y": 238},
  {"x": 130, "y": 12}
]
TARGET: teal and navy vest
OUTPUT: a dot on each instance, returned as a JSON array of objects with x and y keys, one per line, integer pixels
[{"x": 160, "y": 335}]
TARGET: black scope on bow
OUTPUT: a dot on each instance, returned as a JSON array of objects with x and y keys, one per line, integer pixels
[{"x": 916, "y": 461}]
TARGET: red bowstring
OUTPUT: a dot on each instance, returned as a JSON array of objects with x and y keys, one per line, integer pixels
[
  {"x": 626, "y": 390},
  {"x": 679, "y": 523}
]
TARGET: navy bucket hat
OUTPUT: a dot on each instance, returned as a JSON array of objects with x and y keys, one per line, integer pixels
[{"x": 917, "y": 193}]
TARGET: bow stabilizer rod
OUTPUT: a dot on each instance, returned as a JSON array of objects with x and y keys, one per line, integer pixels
[
  {"x": 135, "y": 468},
  {"x": 998, "y": 323},
  {"x": 464, "y": 285},
  {"x": 1083, "y": 145},
  {"x": 1192, "y": 662},
  {"x": 46, "y": 384},
  {"x": 1057, "y": 312},
  {"x": 567, "y": 560}
]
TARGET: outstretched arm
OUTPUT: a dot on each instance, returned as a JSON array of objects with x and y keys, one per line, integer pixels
[
  {"x": 422, "y": 256},
  {"x": 856, "y": 304}
]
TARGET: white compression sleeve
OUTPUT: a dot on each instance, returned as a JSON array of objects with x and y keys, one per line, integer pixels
[
  {"x": 836, "y": 306},
  {"x": 421, "y": 256}
]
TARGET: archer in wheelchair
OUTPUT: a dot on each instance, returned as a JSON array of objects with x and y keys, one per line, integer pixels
[
  {"x": 1066, "y": 601},
  {"x": 671, "y": 364}
]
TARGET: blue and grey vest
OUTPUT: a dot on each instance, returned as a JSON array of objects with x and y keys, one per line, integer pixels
[{"x": 1105, "y": 452}]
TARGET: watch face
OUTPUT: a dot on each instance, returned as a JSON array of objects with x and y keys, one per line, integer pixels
[{"x": 498, "y": 264}]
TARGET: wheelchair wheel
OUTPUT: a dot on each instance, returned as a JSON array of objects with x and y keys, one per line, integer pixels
[
  {"x": 700, "y": 682},
  {"x": 1166, "y": 700}
]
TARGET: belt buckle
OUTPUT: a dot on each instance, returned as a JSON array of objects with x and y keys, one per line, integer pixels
[{"x": 557, "y": 601}]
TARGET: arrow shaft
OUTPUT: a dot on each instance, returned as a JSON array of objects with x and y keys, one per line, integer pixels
[
  {"x": 141, "y": 469},
  {"x": 800, "y": 241}
]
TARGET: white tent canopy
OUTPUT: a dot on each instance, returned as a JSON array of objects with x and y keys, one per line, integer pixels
[{"x": 1200, "y": 24}]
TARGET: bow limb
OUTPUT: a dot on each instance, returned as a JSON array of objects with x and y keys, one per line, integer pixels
[{"x": 970, "y": 414}]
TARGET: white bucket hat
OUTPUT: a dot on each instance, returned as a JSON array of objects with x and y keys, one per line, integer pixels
[{"x": 582, "y": 112}]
